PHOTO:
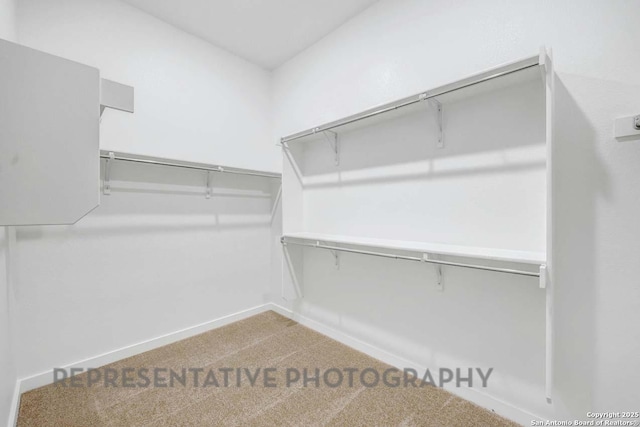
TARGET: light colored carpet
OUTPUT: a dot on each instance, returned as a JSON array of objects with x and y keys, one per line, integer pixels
[{"x": 265, "y": 340}]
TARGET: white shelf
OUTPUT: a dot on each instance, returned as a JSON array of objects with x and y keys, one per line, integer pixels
[
  {"x": 512, "y": 73},
  {"x": 449, "y": 105},
  {"x": 161, "y": 161},
  {"x": 505, "y": 255}
]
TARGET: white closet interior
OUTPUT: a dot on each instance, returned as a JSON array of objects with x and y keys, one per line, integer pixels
[
  {"x": 451, "y": 173},
  {"x": 482, "y": 222},
  {"x": 455, "y": 177}
]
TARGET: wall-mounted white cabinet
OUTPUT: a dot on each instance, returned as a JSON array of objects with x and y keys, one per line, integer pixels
[{"x": 49, "y": 136}]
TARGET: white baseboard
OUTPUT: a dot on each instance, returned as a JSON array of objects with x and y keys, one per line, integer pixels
[
  {"x": 45, "y": 378},
  {"x": 476, "y": 396},
  {"x": 15, "y": 402}
]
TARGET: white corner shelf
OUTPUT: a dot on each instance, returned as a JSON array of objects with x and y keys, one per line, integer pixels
[{"x": 493, "y": 254}]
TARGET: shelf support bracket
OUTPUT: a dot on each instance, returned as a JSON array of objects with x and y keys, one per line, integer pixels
[
  {"x": 106, "y": 185},
  {"x": 288, "y": 265},
  {"x": 543, "y": 276},
  {"x": 332, "y": 139},
  {"x": 439, "y": 275},
  {"x": 440, "y": 282},
  {"x": 438, "y": 105},
  {"x": 542, "y": 60},
  {"x": 336, "y": 255},
  {"x": 276, "y": 202},
  {"x": 208, "y": 192}
]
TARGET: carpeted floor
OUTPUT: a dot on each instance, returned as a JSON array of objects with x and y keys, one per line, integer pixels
[{"x": 267, "y": 340}]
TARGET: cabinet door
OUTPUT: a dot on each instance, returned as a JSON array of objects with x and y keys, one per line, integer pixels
[{"x": 49, "y": 137}]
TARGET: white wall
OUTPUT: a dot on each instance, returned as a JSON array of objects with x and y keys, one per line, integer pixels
[
  {"x": 8, "y": 31},
  {"x": 394, "y": 183},
  {"x": 193, "y": 101},
  {"x": 399, "y": 48},
  {"x": 156, "y": 256}
]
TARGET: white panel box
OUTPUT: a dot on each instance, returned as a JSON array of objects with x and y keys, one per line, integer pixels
[
  {"x": 49, "y": 137},
  {"x": 115, "y": 95},
  {"x": 628, "y": 127}
]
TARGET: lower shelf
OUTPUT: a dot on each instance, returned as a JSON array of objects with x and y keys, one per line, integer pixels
[
  {"x": 505, "y": 255},
  {"x": 430, "y": 252}
]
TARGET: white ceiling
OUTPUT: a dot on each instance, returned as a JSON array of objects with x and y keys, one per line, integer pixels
[{"x": 265, "y": 32}]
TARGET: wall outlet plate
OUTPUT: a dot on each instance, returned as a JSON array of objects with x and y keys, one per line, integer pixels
[{"x": 626, "y": 127}]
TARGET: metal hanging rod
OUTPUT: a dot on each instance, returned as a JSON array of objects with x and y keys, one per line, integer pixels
[
  {"x": 186, "y": 165},
  {"x": 497, "y": 72},
  {"x": 411, "y": 258}
]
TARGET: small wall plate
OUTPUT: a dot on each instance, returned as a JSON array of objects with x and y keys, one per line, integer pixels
[{"x": 626, "y": 127}]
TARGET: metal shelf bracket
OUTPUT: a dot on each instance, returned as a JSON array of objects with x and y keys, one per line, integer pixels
[
  {"x": 209, "y": 189},
  {"x": 106, "y": 185},
  {"x": 438, "y": 105},
  {"x": 543, "y": 276},
  {"x": 332, "y": 139},
  {"x": 336, "y": 255},
  {"x": 439, "y": 275}
]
